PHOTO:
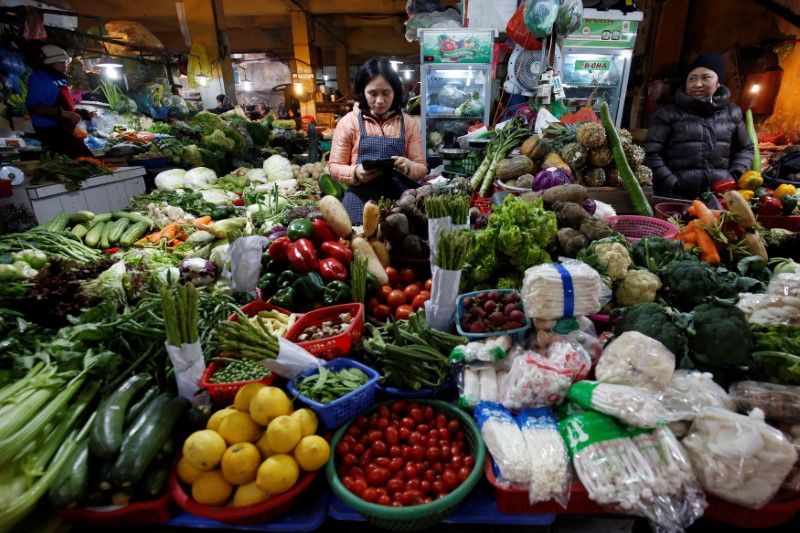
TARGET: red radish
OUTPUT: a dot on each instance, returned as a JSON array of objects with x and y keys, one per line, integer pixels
[
  {"x": 497, "y": 318},
  {"x": 477, "y": 327},
  {"x": 489, "y": 306},
  {"x": 516, "y": 316}
]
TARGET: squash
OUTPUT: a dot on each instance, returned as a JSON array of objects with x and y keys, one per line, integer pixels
[
  {"x": 554, "y": 160},
  {"x": 513, "y": 168},
  {"x": 535, "y": 147}
]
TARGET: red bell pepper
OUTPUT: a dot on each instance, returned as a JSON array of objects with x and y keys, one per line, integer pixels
[
  {"x": 723, "y": 186},
  {"x": 279, "y": 248},
  {"x": 338, "y": 251},
  {"x": 330, "y": 269},
  {"x": 302, "y": 256},
  {"x": 769, "y": 206},
  {"x": 323, "y": 233}
]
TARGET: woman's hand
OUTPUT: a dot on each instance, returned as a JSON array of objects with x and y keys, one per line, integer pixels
[
  {"x": 402, "y": 164},
  {"x": 365, "y": 176},
  {"x": 73, "y": 118}
]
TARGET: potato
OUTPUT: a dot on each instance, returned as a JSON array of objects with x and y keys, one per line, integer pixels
[
  {"x": 335, "y": 214},
  {"x": 361, "y": 248}
]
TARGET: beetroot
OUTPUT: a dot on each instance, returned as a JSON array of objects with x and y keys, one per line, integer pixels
[
  {"x": 477, "y": 312},
  {"x": 516, "y": 316},
  {"x": 467, "y": 302}
]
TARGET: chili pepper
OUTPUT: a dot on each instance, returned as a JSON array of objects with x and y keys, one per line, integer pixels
[
  {"x": 763, "y": 191},
  {"x": 338, "y": 251},
  {"x": 286, "y": 278},
  {"x": 785, "y": 189},
  {"x": 331, "y": 269},
  {"x": 789, "y": 203},
  {"x": 268, "y": 283},
  {"x": 747, "y": 194},
  {"x": 238, "y": 202},
  {"x": 751, "y": 180},
  {"x": 300, "y": 228},
  {"x": 336, "y": 293},
  {"x": 302, "y": 256},
  {"x": 723, "y": 186},
  {"x": 323, "y": 233},
  {"x": 769, "y": 206},
  {"x": 111, "y": 251},
  {"x": 278, "y": 249},
  {"x": 285, "y": 298}
]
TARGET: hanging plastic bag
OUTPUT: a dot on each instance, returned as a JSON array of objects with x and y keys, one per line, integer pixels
[
  {"x": 540, "y": 16},
  {"x": 569, "y": 17},
  {"x": 518, "y": 31}
]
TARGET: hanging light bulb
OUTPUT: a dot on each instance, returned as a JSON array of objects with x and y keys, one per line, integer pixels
[
  {"x": 107, "y": 62},
  {"x": 201, "y": 79},
  {"x": 246, "y": 84},
  {"x": 111, "y": 73},
  {"x": 298, "y": 88}
]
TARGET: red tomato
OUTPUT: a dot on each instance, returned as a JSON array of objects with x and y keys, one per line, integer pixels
[
  {"x": 454, "y": 426},
  {"x": 407, "y": 276},
  {"x": 394, "y": 485},
  {"x": 441, "y": 421},
  {"x": 384, "y": 499},
  {"x": 382, "y": 312},
  {"x": 398, "y": 406},
  {"x": 432, "y": 455},
  {"x": 425, "y": 292},
  {"x": 428, "y": 283},
  {"x": 379, "y": 448},
  {"x": 393, "y": 274},
  {"x": 342, "y": 448},
  {"x": 423, "y": 429},
  {"x": 382, "y": 462},
  {"x": 359, "y": 486},
  {"x": 450, "y": 479},
  {"x": 419, "y": 301},
  {"x": 396, "y": 464},
  {"x": 469, "y": 461},
  {"x": 362, "y": 422},
  {"x": 392, "y": 436},
  {"x": 378, "y": 476},
  {"x": 370, "y": 494},
  {"x": 417, "y": 452},
  {"x": 372, "y": 303},
  {"x": 383, "y": 293},
  {"x": 410, "y": 292},
  {"x": 427, "y": 413},
  {"x": 403, "y": 432},
  {"x": 410, "y": 471},
  {"x": 357, "y": 448},
  {"x": 403, "y": 312},
  {"x": 395, "y": 299},
  {"x": 463, "y": 473}
]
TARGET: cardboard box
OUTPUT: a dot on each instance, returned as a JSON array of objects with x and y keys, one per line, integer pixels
[{"x": 618, "y": 198}]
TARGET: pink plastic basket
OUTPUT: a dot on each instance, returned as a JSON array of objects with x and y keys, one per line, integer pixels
[{"x": 634, "y": 227}]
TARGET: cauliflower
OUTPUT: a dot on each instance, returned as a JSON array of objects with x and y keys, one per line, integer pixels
[
  {"x": 615, "y": 258},
  {"x": 638, "y": 287},
  {"x": 636, "y": 360}
]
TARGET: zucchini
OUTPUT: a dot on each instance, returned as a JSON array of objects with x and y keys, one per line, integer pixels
[
  {"x": 104, "y": 475},
  {"x": 59, "y": 223},
  {"x": 154, "y": 482},
  {"x": 103, "y": 244},
  {"x": 103, "y": 217},
  {"x": 139, "y": 405},
  {"x": 72, "y": 487},
  {"x": 105, "y": 437},
  {"x": 79, "y": 231},
  {"x": 167, "y": 449},
  {"x": 94, "y": 234},
  {"x": 117, "y": 229},
  {"x": 638, "y": 199},
  {"x": 145, "y": 437},
  {"x": 81, "y": 216},
  {"x": 133, "y": 233}
]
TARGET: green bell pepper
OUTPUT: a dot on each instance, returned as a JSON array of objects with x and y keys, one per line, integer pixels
[
  {"x": 336, "y": 293},
  {"x": 268, "y": 283},
  {"x": 309, "y": 288},
  {"x": 286, "y": 298},
  {"x": 276, "y": 266},
  {"x": 300, "y": 228},
  {"x": 373, "y": 285},
  {"x": 789, "y": 203},
  {"x": 287, "y": 278}
]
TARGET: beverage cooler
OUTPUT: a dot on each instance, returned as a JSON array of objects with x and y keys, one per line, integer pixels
[
  {"x": 456, "y": 84},
  {"x": 596, "y": 60}
]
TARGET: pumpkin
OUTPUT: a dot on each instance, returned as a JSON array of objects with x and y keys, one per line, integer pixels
[
  {"x": 535, "y": 148},
  {"x": 550, "y": 177},
  {"x": 554, "y": 160},
  {"x": 513, "y": 168}
]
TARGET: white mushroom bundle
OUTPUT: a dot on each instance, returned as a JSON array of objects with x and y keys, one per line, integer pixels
[
  {"x": 553, "y": 291},
  {"x": 637, "y": 360}
]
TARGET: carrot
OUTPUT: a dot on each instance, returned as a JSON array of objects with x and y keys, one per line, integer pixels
[
  {"x": 702, "y": 212},
  {"x": 708, "y": 249},
  {"x": 176, "y": 242},
  {"x": 169, "y": 231},
  {"x": 202, "y": 221}
]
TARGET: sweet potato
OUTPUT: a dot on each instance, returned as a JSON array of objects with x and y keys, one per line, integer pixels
[
  {"x": 335, "y": 214},
  {"x": 565, "y": 193},
  {"x": 572, "y": 241}
]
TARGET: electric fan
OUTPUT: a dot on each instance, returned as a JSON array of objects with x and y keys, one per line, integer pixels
[{"x": 524, "y": 68}]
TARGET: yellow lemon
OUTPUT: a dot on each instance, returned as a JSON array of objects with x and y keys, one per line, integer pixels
[
  {"x": 243, "y": 395},
  {"x": 277, "y": 474},
  {"x": 283, "y": 434},
  {"x": 269, "y": 403},
  {"x": 240, "y": 463},
  {"x": 203, "y": 449},
  {"x": 307, "y": 419},
  {"x": 187, "y": 472},
  {"x": 249, "y": 494},
  {"x": 239, "y": 427},
  {"x": 261, "y": 444},
  {"x": 210, "y": 488},
  {"x": 311, "y": 453},
  {"x": 215, "y": 420}
]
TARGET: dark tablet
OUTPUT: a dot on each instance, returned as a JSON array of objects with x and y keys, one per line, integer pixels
[{"x": 384, "y": 165}]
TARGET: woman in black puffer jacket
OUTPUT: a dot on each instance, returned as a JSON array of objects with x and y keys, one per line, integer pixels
[{"x": 701, "y": 138}]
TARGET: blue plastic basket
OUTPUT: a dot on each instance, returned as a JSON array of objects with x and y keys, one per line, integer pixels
[
  {"x": 348, "y": 407},
  {"x": 518, "y": 334}
]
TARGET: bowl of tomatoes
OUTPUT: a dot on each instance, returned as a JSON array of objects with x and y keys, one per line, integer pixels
[
  {"x": 406, "y": 465},
  {"x": 403, "y": 295}
]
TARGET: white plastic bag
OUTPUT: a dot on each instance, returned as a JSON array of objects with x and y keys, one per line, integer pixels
[
  {"x": 292, "y": 360},
  {"x": 444, "y": 293},
  {"x": 245, "y": 254},
  {"x": 189, "y": 365}
]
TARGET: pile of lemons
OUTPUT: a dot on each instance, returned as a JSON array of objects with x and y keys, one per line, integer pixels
[{"x": 252, "y": 450}]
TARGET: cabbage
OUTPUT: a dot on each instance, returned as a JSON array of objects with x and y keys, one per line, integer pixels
[
  {"x": 257, "y": 174},
  {"x": 218, "y": 196},
  {"x": 550, "y": 177},
  {"x": 171, "y": 180},
  {"x": 200, "y": 178},
  {"x": 451, "y": 95},
  {"x": 219, "y": 256},
  {"x": 278, "y": 168},
  {"x": 198, "y": 271}
]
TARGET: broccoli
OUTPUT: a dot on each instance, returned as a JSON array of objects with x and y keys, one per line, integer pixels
[
  {"x": 687, "y": 283},
  {"x": 639, "y": 286},
  {"x": 655, "y": 253},
  {"x": 722, "y": 335},
  {"x": 657, "y": 322}
]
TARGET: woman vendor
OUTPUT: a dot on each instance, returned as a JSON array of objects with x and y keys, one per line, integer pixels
[
  {"x": 49, "y": 102},
  {"x": 376, "y": 129}
]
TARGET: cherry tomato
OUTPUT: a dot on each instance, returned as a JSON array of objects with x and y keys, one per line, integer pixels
[
  {"x": 357, "y": 448},
  {"x": 438, "y": 487},
  {"x": 342, "y": 448},
  {"x": 456, "y": 460},
  {"x": 362, "y": 422},
  {"x": 384, "y": 499},
  {"x": 393, "y": 274},
  {"x": 357, "y": 472},
  {"x": 359, "y": 486},
  {"x": 407, "y": 276},
  {"x": 423, "y": 429},
  {"x": 463, "y": 473},
  {"x": 348, "y": 439},
  {"x": 450, "y": 479},
  {"x": 396, "y": 451},
  {"x": 347, "y": 481},
  {"x": 445, "y": 454},
  {"x": 395, "y": 299},
  {"x": 428, "y": 283},
  {"x": 410, "y": 292},
  {"x": 382, "y": 462},
  {"x": 415, "y": 438},
  {"x": 396, "y": 464},
  {"x": 403, "y": 432},
  {"x": 403, "y": 312},
  {"x": 410, "y": 471},
  {"x": 349, "y": 459},
  {"x": 417, "y": 452},
  {"x": 433, "y": 454},
  {"x": 444, "y": 434},
  {"x": 398, "y": 406},
  {"x": 454, "y": 426},
  {"x": 406, "y": 422},
  {"x": 392, "y": 436},
  {"x": 370, "y": 494},
  {"x": 419, "y": 301},
  {"x": 378, "y": 476},
  {"x": 383, "y": 293},
  {"x": 355, "y": 431},
  {"x": 383, "y": 424},
  {"x": 469, "y": 461},
  {"x": 384, "y": 411},
  {"x": 379, "y": 448},
  {"x": 426, "y": 292},
  {"x": 416, "y": 416},
  {"x": 382, "y": 312},
  {"x": 393, "y": 486},
  {"x": 441, "y": 421},
  {"x": 425, "y": 486},
  {"x": 372, "y": 303}
]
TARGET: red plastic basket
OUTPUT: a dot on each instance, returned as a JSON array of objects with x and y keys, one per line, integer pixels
[
  {"x": 255, "y": 307},
  {"x": 223, "y": 394},
  {"x": 258, "y": 513},
  {"x": 515, "y": 501},
  {"x": 484, "y": 204},
  {"x": 773, "y": 514},
  {"x": 149, "y": 512},
  {"x": 634, "y": 227},
  {"x": 338, "y": 345},
  {"x": 787, "y": 222}
]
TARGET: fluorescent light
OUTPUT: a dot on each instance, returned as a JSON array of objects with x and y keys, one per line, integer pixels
[
  {"x": 247, "y": 85},
  {"x": 325, "y": 77},
  {"x": 111, "y": 73},
  {"x": 107, "y": 62}
]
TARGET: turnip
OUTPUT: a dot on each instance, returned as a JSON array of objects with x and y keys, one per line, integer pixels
[
  {"x": 497, "y": 318},
  {"x": 489, "y": 306},
  {"x": 516, "y": 316}
]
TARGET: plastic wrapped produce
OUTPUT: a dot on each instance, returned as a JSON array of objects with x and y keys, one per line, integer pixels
[
  {"x": 635, "y": 406},
  {"x": 533, "y": 381},
  {"x": 451, "y": 95},
  {"x": 778, "y": 402},
  {"x": 571, "y": 288},
  {"x": 569, "y": 354},
  {"x": 550, "y": 473},
  {"x": 637, "y": 360},
  {"x": 690, "y": 392},
  {"x": 504, "y": 440}
]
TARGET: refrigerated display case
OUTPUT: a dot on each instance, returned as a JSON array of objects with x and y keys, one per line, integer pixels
[
  {"x": 596, "y": 60},
  {"x": 456, "y": 84}
]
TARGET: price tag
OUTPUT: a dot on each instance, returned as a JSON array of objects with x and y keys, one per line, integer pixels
[{"x": 558, "y": 88}]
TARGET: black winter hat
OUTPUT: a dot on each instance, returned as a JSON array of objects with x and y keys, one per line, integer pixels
[{"x": 710, "y": 61}]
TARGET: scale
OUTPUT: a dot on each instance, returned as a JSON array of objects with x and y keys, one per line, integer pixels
[{"x": 459, "y": 162}]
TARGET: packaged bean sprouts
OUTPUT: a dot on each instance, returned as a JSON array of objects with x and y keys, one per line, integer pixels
[
  {"x": 504, "y": 441},
  {"x": 635, "y": 406},
  {"x": 551, "y": 477}
]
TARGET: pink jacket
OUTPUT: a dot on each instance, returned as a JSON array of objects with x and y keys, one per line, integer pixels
[{"x": 346, "y": 136}]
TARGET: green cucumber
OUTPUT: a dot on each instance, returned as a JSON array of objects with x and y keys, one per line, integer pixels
[
  {"x": 154, "y": 482},
  {"x": 72, "y": 487},
  {"x": 638, "y": 199},
  {"x": 59, "y": 223},
  {"x": 117, "y": 229},
  {"x": 103, "y": 217},
  {"x": 94, "y": 234},
  {"x": 104, "y": 244},
  {"x": 133, "y": 216},
  {"x": 133, "y": 233},
  {"x": 79, "y": 231},
  {"x": 145, "y": 437},
  {"x": 751, "y": 132},
  {"x": 81, "y": 216},
  {"x": 105, "y": 438}
]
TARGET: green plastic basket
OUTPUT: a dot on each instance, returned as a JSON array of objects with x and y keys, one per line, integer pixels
[{"x": 415, "y": 517}]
